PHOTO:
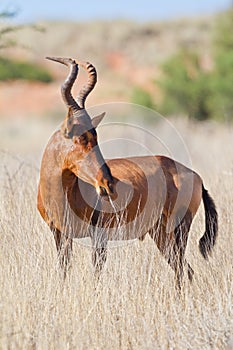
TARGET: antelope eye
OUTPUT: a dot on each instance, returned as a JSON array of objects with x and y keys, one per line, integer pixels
[{"x": 82, "y": 140}]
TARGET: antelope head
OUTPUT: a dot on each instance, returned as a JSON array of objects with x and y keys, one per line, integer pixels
[{"x": 82, "y": 153}]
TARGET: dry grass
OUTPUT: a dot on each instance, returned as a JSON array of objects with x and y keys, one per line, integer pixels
[{"x": 134, "y": 305}]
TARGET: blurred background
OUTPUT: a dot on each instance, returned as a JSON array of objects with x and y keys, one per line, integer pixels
[{"x": 174, "y": 57}]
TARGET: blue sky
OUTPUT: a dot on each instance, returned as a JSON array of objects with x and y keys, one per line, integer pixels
[{"x": 30, "y": 11}]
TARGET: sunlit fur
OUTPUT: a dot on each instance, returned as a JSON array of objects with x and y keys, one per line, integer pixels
[{"x": 82, "y": 195}]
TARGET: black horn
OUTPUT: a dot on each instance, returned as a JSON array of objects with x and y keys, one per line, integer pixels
[
  {"x": 92, "y": 79},
  {"x": 68, "y": 83}
]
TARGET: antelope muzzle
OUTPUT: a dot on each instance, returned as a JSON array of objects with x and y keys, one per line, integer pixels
[{"x": 105, "y": 184}]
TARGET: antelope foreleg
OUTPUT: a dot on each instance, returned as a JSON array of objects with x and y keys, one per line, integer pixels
[
  {"x": 64, "y": 249},
  {"x": 99, "y": 250}
]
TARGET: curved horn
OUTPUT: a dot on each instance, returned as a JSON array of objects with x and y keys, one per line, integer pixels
[
  {"x": 92, "y": 79},
  {"x": 68, "y": 83}
]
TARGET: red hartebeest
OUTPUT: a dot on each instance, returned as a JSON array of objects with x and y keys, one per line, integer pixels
[{"x": 82, "y": 195}]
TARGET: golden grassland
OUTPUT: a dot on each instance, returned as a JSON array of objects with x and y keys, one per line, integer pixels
[{"x": 134, "y": 305}]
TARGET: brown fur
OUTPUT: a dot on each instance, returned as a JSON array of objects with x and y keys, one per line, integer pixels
[{"x": 152, "y": 194}]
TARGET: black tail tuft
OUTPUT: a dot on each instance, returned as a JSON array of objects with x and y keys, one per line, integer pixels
[{"x": 208, "y": 240}]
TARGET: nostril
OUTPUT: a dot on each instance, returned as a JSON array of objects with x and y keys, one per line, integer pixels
[
  {"x": 103, "y": 191},
  {"x": 111, "y": 189}
]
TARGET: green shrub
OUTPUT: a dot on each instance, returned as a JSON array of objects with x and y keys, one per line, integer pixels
[
  {"x": 186, "y": 87},
  {"x": 12, "y": 70},
  {"x": 223, "y": 74},
  {"x": 141, "y": 97},
  {"x": 223, "y": 28},
  {"x": 190, "y": 90}
]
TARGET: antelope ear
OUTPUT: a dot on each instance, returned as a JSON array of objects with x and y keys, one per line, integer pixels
[
  {"x": 96, "y": 120},
  {"x": 67, "y": 124}
]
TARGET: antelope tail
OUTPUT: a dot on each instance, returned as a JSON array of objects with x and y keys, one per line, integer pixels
[{"x": 208, "y": 240}]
